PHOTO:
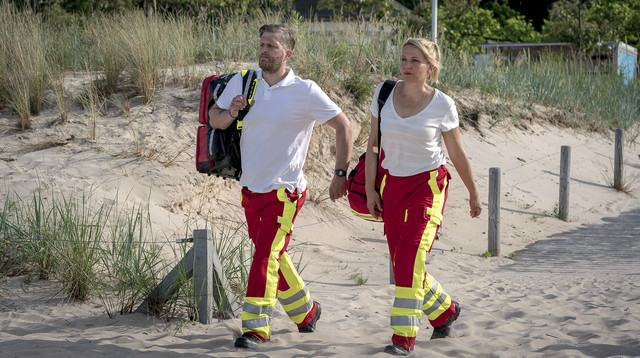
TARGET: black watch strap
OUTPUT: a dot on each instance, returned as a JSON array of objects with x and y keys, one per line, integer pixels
[{"x": 340, "y": 172}]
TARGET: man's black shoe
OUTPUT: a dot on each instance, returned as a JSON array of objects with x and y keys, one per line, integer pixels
[
  {"x": 444, "y": 330},
  {"x": 397, "y": 350},
  {"x": 311, "y": 327},
  {"x": 248, "y": 341}
]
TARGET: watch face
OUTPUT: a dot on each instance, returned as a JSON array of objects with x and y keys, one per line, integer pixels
[{"x": 340, "y": 172}]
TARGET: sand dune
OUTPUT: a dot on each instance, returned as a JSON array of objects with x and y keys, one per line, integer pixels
[{"x": 148, "y": 158}]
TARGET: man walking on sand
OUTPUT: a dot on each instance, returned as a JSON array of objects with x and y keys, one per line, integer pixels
[{"x": 274, "y": 144}]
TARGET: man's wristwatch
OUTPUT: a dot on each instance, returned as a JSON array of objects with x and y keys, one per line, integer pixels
[{"x": 340, "y": 172}]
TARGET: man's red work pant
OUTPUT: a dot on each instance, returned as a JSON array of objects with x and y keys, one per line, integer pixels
[{"x": 270, "y": 218}]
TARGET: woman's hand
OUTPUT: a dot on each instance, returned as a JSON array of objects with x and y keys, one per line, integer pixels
[
  {"x": 374, "y": 204},
  {"x": 475, "y": 205}
]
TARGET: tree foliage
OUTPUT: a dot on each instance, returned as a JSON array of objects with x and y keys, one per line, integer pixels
[
  {"x": 589, "y": 22},
  {"x": 462, "y": 24}
]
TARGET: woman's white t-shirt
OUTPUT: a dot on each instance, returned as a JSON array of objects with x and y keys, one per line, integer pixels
[{"x": 413, "y": 145}]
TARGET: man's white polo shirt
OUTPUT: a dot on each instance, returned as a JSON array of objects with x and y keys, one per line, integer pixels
[{"x": 277, "y": 130}]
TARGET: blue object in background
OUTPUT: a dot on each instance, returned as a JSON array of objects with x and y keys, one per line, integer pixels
[{"x": 626, "y": 58}]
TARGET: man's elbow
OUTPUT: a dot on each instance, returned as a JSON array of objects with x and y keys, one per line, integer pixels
[
  {"x": 343, "y": 125},
  {"x": 348, "y": 128},
  {"x": 215, "y": 122}
]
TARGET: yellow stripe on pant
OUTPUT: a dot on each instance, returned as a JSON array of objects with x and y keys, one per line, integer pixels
[
  {"x": 256, "y": 313},
  {"x": 436, "y": 300},
  {"x": 296, "y": 301},
  {"x": 410, "y": 302}
]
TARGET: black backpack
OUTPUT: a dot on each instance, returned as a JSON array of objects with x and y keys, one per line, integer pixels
[{"x": 218, "y": 150}]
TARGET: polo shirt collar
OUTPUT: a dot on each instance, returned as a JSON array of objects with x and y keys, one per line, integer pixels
[{"x": 286, "y": 81}]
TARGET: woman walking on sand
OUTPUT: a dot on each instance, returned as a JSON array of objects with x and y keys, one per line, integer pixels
[{"x": 414, "y": 123}]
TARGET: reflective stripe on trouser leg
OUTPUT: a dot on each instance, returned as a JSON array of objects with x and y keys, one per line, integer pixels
[
  {"x": 295, "y": 300},
  {"x": 436, "y": 300},
  {"x": 418, "y": 227},
  {"x": 270, "y": 218}
]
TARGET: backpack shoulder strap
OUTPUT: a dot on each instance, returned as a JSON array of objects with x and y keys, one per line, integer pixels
[
  {"x": 249, "y": 83},
  {"x": 385, "y": 91}
]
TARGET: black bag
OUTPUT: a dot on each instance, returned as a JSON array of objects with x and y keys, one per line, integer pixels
[
  {"x": 218, "y": 150},
  {"x": 355, "y": 184}
]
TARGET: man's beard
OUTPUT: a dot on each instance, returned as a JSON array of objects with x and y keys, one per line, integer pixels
[{"x": 269, "y": 64}]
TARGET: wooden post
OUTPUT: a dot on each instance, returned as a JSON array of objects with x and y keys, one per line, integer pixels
[
  {"x": 201, "y": 262},
  {"x": 391, "y": 279},
  {"x": 565, "y": 169},
  {"x": 203, "y": 274},
  {"x": 494, "y": 211},
  {"x": 617, "y": 163}
]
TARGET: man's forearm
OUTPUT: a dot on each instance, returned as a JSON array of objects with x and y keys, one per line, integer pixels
[{"x": 220, "y": 118}]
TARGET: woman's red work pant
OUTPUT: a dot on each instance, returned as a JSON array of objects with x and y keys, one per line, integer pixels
[{"x": 412, "y": 208}]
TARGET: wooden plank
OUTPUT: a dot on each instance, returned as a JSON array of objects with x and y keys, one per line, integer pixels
[
  {"x": 611, "y": 247},
  {"x": 228, "y": 307},
  {"x": 170, "y": 284}
]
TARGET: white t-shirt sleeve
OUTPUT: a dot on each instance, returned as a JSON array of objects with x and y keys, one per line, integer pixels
[
  {"x": 234, "y": 88},
  {"x": 450, "y": 119},
  {"x": 320, "y": 106}
]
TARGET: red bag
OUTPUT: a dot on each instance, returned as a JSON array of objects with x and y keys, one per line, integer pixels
[
  {"x": 355, "y": 184},
  {"x": 218, "y": 151},
  {"x": 356, "y": 194}
]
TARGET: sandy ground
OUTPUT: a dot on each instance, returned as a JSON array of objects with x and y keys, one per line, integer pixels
[{"x": 148, "y": 157}]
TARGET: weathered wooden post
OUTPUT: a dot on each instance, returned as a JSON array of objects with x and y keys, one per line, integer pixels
[
  {"x": 203, "y": 274},
  {"x": 391, "y": 279},
  {"x": 617, "y": 162},
  {"x": 565, "y": 169},
  {"x": 210, "y": 284},
  {"x": 494, "y": 211}
]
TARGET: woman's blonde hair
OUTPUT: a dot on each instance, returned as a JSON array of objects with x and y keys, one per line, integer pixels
[{"x": 430, "y": 51}]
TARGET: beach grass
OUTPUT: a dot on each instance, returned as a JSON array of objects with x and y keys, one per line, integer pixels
[
  {"x": 136, "y": 51},
  {"x": 23, "y": 64},
  {"x": 102, "y": 250},
  {"x": 591, "y": 97}
]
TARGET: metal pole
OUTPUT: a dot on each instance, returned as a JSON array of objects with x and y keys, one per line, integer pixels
[{"x": 434, "y": 21}]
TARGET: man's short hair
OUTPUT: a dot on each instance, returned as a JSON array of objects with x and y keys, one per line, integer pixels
[{"x": 287, "y": 36}]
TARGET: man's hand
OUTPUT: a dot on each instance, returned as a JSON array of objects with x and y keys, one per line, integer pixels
[{"x": 337, "y": 189}]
